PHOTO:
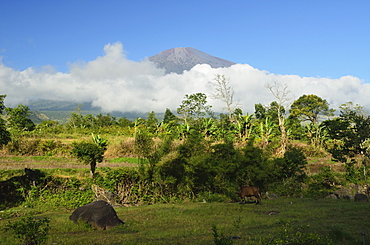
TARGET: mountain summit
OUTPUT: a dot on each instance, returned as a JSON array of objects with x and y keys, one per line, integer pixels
[{"x": 180, "y": 59}]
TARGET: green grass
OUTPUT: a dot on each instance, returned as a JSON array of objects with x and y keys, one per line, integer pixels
[{"x": 191, "y": 223}]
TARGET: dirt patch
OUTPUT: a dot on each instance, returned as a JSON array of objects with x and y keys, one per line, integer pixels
[{"x": 10, "y": 163}]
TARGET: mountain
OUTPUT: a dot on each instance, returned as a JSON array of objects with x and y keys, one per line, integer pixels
[{"x": 180, "y": 59}]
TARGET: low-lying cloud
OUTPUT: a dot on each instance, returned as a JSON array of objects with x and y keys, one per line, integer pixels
[{"x": 115, "y": 83}]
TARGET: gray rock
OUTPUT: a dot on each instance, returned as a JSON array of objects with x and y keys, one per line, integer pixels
[
  {"x": 359, "y": 197},
  {"x": 99, "y": 214},
  {"x": 333, "y": 196}
]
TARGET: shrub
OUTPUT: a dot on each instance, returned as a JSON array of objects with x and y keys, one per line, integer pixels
[
  {"x": 323, "y": 183},
  {"x": 29, "y": 230},
  {"x": 23, "y": 147},
  {"x": 220, "y": 238},
  {"x": 287, "y": 234}
]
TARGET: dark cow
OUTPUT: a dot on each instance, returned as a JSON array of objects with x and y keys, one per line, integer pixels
[{"x": 249, "y": 191}]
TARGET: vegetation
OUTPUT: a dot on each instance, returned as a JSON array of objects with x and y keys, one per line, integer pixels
[
  {"x": 30, "y": 230},
  {"x": 276, "y": 221},
  {"x": 194, "y": 157}
]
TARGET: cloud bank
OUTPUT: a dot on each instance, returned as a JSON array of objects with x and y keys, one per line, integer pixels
[{"x": 115, "y": 83}]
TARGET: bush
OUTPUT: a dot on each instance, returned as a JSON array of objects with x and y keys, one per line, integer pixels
[
  {"x": 220, "y": 238},
  {"x": 287, "y": 234},
  {"x": 29, "y": 230},
  {"x": 68, "y": 198},
  {"x": 322, "y": 184}
]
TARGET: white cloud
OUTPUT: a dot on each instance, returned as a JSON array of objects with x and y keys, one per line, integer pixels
[{"x": 113, "y": 82}]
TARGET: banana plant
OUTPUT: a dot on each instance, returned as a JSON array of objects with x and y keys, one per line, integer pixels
[
  {"x": 99, "y": 141},
  {"x": 266, "y": 132},
  {"x": 243, "y": 125},
  {"x": 317, "y": 134},
  {"x": 208, "y": 127}
]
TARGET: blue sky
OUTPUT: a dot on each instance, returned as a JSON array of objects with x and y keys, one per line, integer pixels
[
  {"x": 307, "y": 38},
  {"x": 317, "y": 39}
]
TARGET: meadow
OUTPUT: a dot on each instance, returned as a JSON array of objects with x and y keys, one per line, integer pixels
[{"x": 340, "y": 221}]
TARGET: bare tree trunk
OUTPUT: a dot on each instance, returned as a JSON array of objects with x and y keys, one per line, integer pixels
[
  {"x": 281, "y": 94},
  {"x": 92, "y": 169}
]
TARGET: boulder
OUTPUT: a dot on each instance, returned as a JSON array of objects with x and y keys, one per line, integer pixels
[
  {"x": 333, "y": 196},
  {"x": 361, "y": 197},
  {"x": 98, "y": 214}
]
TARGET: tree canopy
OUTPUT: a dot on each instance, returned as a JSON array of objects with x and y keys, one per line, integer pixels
[
  {"x": 194, "y": 105},
  {"x": 310, "y": 107},
  {"x": 18, "y": 118}
]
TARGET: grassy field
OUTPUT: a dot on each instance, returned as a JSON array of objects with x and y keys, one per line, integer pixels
[{"x": 191, "y": 223}]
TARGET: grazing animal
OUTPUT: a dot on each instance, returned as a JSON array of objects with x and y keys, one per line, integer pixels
[{"x": 249, "y": 191}]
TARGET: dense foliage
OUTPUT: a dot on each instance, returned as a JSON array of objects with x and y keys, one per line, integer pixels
[{"x": 197, "y": 154}]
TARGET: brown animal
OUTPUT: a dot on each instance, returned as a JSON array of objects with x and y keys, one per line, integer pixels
[{"x": 249, "y": 191}]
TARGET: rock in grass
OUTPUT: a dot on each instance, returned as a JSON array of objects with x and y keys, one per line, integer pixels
[
  {"x": 361, "y": 198},
  {"x": 98, "y": 214}
]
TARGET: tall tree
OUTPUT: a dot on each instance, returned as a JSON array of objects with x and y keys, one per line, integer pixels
[
  {"x": 169, "y": 116},
  {"x": 281, "y": 93},
  {"x": 4, "y": 134},
  {"x": 259, "y": 111},
  {"x": 350, "y": 108},
  {"x": 18, "y": 118},
  {"x": 152, "y": 122},
  {"x": 310, "y": 107},
  {"x": 194, "y": 106},
  {"x": 224, "y": 92}
]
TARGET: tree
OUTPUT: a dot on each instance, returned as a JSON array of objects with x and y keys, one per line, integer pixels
[
  {"x": 351, "y": 134},
  {"x": 18, "y": 118},
  {"x": 310, "y": 107},
  {"x": 169, "y": 116},
  {"x": 259, "y": 111},
  {"x": 4, "y": 134},
  {"x": 76, "y": 120},
  {"x": 224, "y": 92},
  {"x": 152, "y": 122},
  {"x": 281, "y": 94},
  {"x": 124, "y": 122},
  {"x": 105, "y": 121},
  {"x": 350, "y": 108},
  {"x": 88, "y": 153},
  {"x": 194, "y": 105}
]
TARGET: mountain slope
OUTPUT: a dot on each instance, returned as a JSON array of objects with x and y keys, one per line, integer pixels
[{"x": 179, "y": 59}]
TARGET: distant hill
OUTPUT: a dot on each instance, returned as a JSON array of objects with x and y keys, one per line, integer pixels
[
  {"x": 178, "y": 60},
  {"x": 52, "y": 105},
  {"x": 60, "y": 111}
]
